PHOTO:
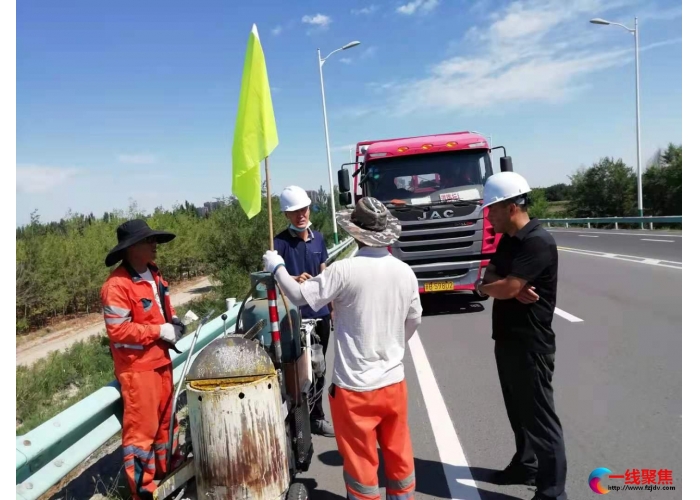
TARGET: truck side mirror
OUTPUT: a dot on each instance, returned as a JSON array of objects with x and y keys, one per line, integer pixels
[
  {"x": 506, "y": 164},
  {"x": 345, "y": 198},
  {"x": 343, "y": 180}
]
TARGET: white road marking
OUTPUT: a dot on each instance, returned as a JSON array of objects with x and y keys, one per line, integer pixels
[
  {"x": 587, "y": 236},
  {"x": 660, "y": 241},
  {"x": 628, "y": 258},
  {"x": 454, "y": 462},
  {"x": 567, "y": 315},
  {"x": 612, "y": 233}
]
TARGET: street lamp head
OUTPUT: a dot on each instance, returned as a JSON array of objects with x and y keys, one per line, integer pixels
[
  {"x": 351, "y": 45},
  {"x": 598, "y": 20}
]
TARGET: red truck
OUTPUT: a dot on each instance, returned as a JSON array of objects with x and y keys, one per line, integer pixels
[{"x": 434, "y": 185}]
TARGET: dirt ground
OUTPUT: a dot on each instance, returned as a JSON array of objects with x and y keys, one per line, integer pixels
[{"x": 36, "y": 345}]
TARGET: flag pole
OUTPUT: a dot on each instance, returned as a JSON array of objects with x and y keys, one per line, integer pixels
[{"x": 269, "y": 202}]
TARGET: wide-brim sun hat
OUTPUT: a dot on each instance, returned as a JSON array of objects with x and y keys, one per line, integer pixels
[
  {"x": 371, "y": 223},
  {"x": 130, "y": 233}
]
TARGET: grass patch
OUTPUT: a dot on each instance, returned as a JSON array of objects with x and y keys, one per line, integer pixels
[
  {"x": 202, "y": 306},
  {"x": 60, "y": 380},
  {"x": 558, "y": 209}
]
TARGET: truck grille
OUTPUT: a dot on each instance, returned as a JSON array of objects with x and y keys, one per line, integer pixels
[
  {"x": 437, "y": 236},
  {"x": 438, "y": 225},
  {"x": 443, "y": 246},
  {"x": 442, "y": 275},
  {"x": 449, "y": 260}
]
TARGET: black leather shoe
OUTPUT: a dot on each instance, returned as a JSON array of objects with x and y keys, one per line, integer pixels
[{"x": 515, "y": 474}]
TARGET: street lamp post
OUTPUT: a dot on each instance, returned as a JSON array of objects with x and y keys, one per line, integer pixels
[
  {"x": 321, "y": 61},
  {"x": 635, "y": 32}
]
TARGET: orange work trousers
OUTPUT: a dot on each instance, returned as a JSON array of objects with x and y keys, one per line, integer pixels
[
  {"x": 148, "y": 401},
  {"x": 361, "y": 419}
]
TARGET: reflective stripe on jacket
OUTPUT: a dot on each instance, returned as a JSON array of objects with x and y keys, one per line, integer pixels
[{"x": 133, "y": 319}]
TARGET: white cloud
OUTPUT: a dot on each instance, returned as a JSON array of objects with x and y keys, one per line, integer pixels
[
  {"x": 658, "y": 14},
  {"x": 417, "y": 6},
  {"x": 138, "y": 159},
  {"x": 37, "y": 179},
  {"x": 365, "y": 10},
  {"x": 345, "y": 60},
  {"x": 662, "y": 43},
  {"x": 320, "y": 20},
  {"x": 369, "y": 52},
  {"x": 276, "y": 30},
  {"x": 529, "y": 51},
  {"x": 357, "y": 111},
  {"x": 378, "y": 87}
]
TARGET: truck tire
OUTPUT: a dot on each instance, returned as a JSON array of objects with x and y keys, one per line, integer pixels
[{"x": 297, "y": 491}]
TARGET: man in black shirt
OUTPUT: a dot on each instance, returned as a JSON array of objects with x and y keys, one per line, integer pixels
[{"x": 522, "y": 279}]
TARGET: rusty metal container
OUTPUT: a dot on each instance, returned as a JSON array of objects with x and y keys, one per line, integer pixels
[{"x": 237, "y": 423}]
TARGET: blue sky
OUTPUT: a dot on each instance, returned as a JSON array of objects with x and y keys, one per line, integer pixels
[{"x": 137, "y": 100}]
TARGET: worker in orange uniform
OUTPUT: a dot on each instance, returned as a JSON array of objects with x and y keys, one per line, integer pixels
[
  {"x": 377, "y": 309},
  {"x": 142, "y": 327}
]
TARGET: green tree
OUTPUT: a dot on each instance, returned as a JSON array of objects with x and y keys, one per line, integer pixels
[
  {"x": 607, "y": 189},
  {"x": 557, "y": 192},
  {"x": 538, "y": 205},
  {"x": 235, "y": 244},
  {"x": 663, "y": 183}
]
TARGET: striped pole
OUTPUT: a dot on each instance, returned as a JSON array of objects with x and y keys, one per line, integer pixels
[{"x": 274, "y": 320}]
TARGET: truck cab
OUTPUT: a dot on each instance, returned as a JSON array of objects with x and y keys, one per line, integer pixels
[{"x": 434, "y": 186}]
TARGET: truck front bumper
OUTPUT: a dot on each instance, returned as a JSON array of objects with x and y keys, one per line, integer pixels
[{"x": 450, "y": 283}]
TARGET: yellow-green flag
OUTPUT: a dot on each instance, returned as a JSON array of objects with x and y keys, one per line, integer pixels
[{"x": 255, "y": 136}]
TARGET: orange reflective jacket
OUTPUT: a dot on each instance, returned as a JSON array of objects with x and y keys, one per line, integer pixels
[{"x": 133, "y": 319}]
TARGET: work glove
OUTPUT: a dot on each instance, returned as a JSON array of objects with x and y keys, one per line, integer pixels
[
  {"x": 168, "y": 332},
  {"x": 272, "y": 260}
]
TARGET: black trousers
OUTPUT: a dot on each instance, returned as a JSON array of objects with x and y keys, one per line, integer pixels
[
  {"x": 526, "y": 382},
  {"x": 323, "y": 330}
]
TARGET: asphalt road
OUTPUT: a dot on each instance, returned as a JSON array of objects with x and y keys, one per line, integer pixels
[
  {"x": 665, "y": 246},
  {"x": 617, "y": 379}
]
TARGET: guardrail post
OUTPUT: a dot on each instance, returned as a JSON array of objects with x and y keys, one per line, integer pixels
[
  {"x": 651, "y": 226},
  {"x": 589, "y": 225},
  {"x": 567, "y": 225},
  {"x": 616, "y": 226}
]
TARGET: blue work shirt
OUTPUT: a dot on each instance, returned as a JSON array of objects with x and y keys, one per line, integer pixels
[{"x": 303, "y": 257}]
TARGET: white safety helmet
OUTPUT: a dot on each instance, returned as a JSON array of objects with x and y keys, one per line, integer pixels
[
  {"x": 503, "y": 186},
  {"x": 293, "y": 198}
]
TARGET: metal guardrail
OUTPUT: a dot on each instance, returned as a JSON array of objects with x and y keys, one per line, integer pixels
[
  {"x": 675, "y": 219},
  {"x": 47, "y": 453},
  {"x": 333, "y": 252}
]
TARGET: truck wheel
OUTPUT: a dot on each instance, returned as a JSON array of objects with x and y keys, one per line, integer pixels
[{"x": 297, "y": 491}]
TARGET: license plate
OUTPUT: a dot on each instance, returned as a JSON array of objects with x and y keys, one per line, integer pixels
[
  {"x": 449, "y": 197},
  {"x": 440, "y": 286}
]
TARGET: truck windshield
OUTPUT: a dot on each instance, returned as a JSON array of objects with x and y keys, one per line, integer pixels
[{"x": 434, "y": 176}]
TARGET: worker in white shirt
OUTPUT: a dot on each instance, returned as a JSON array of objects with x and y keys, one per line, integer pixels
[{"x": 377, "y": 309}]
